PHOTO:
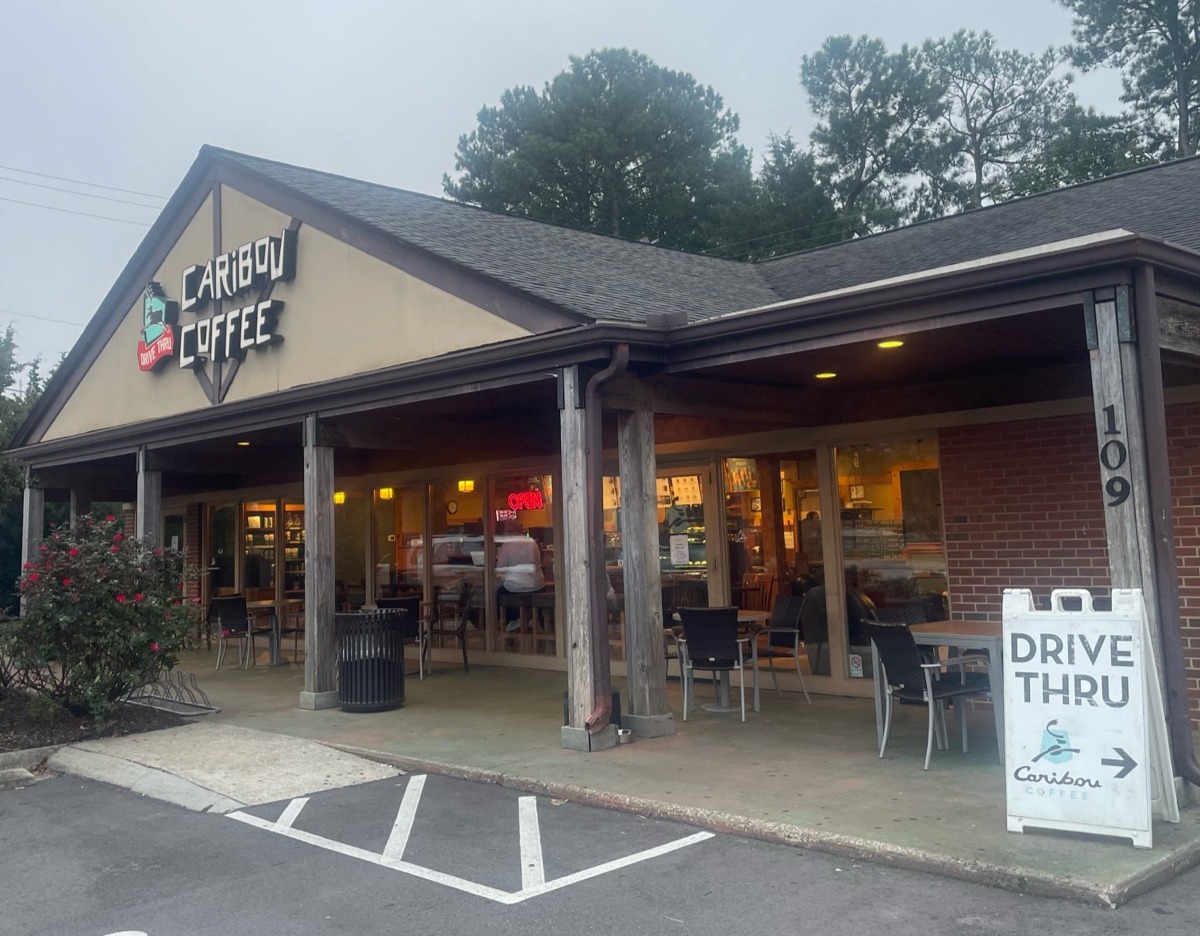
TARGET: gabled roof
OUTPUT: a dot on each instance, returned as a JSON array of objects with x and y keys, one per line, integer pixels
[
  {"x": 1159, "y": 201},
  {"x": 598, "y": 277}
]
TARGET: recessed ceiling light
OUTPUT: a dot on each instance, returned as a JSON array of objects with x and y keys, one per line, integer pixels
[
  {"x": 825, "y": 375},
  {"x": 244, "y": 444},
  {"x": 891, "y": 343}
]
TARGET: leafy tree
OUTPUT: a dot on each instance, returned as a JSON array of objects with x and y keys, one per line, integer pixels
[
  {"x": 616, "y": 144},
  {"x": 999, "y": 110},
  {"x": 1086, "y": 146},
  {"x": 15, "y": 404},
  {"x": 1156, "y": 44},
  {"x": 787, "y": 210},
  {"x": 874, "y": 110}
]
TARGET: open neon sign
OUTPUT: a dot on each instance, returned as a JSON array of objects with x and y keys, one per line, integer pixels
[{"x": 526, "y": 500}]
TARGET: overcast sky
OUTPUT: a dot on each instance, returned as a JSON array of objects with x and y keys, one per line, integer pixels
[{"x": 123, "y": 94}]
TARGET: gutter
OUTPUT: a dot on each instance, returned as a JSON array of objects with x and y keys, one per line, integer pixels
[{"x": 598, "y": 590}]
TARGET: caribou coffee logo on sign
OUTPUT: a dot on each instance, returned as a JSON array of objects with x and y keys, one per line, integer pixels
[
  {"x": 229, "y": 333},
  {"x": 158, "y": 333}
]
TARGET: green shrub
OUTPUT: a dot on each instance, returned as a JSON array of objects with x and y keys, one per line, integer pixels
[{"x": 103, "y": 612}]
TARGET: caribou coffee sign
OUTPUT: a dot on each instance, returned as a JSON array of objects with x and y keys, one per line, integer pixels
[{"x": 230, "y": 332}]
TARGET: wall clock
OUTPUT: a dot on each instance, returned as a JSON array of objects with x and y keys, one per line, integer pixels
[{"x": 451, "y": 507}]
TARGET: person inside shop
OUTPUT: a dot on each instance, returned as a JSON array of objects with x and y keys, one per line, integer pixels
[
  {"x": 815, "y": 627},
  {"x": 519, "y": 568}
]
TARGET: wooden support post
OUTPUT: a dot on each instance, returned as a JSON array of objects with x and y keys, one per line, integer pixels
[
  {"x": 148, "y": 511},
  {"x": 1121, "y": 447},
  {"x": 33, "y": 521},
  {"x": 320, "y": 636},
  {"x": 81, "y": 504},
  {"x": 648, "y": 715},
  {"x": 576, "y": 580}
]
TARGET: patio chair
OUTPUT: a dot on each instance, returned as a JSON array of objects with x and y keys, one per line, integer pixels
[
  {"x": 783, "y": 639},
  {"x": 907, "y": 678},
  {"x": 228, "y": 619},
  {"x": 711, "y": 643},
  {"x": 814, "y": 630},
  {"x": 412, "y": 630},
  {"x": 450, "y": 616}
]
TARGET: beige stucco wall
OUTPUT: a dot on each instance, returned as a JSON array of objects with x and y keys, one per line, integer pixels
[
  {"x": 114, "y": 391},
  {"x": 344, "y": 313}
]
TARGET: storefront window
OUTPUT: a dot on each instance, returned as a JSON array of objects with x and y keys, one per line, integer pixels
[
  {"x": 890, "y": 494},
  {"x": 773, "y": 520},
  {"x": 398, "y": 522},
  {"x": 258, "y": 552},
  {"x": 222, "y": 569},
  {"x": 523, "y": 534},
  {"x": 682, "y": 549},
  {"x": 457, "y": 551},
  {"x": 350, "y": 549}
]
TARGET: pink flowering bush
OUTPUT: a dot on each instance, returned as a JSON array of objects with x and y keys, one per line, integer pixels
[{"x": 102, "y": 613}]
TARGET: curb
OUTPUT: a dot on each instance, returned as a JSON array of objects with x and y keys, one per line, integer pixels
[
  {"x": 978, "y": 872},
  {"x": 27, "y": 758}
]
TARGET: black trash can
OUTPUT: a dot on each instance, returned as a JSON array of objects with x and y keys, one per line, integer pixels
[{"x": 371, "y": 660}]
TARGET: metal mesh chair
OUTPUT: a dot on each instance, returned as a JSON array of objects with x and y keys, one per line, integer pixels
[
  {"x": 711, "y": 643},
  {"x": 412, "y": 629},
  {"x": 908, "y": 678},
  {"x": 229, "y": 619},
  {"x": 783, "y": 639},
  {"x": 450, "y": 617}
]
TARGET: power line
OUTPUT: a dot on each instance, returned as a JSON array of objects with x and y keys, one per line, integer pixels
[
  {"x": 111, "y": 188},
  {"x": 41, "y": 318},
  {"x": 55, "y": 188},
  {"x": 86, "y": 214}
]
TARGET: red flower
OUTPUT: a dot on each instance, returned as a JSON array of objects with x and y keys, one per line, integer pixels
[
  {"x": 67, "y": 582},
  {"x": 116, "y": 549},
  {"x": 118, "y": 537},
  {"x": 72, "y": 551},
  {"x": 110, "y": 518},
  {"x": 154, "y": 648},
  {"x": 29, "y": 565},
  {"x": 120, "y": 599},
  {"x": 137, "y": 596},
  {"x": 33, "y": 576}
]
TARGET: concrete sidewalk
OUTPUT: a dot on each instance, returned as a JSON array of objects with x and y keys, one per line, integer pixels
[{"x": 793, "y": 773}]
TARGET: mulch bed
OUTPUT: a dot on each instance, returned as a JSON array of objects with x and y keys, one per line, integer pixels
[{"x": 21, "y": 729}]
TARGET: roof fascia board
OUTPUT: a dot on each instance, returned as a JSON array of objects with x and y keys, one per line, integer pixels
[
  {"x": 1012, "y": 287},
  {"x": 471, "y": 286},
  {"x": 493, "y": 366}
]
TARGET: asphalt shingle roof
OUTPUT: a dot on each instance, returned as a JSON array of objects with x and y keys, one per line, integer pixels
[
  {"x": 606, "y": 278},
  {"x": 590, "y": 275},
  {"x": 1160, "y": 201}
]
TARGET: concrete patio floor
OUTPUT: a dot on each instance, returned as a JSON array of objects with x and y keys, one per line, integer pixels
[{"x": 793, "y": 773}]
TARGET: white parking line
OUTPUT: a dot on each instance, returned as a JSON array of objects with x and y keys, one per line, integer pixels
[
  {"x": 533, "y": 872},
  {"x": 289, "y": 814},
  {"x": 398, "y": 840}
]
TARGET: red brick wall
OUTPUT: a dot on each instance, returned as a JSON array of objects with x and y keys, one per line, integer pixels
[
  {"x": 192, "y": 522},
  {"x": 1022, "y": 508},
  {"x": 1183, "y": 453}
]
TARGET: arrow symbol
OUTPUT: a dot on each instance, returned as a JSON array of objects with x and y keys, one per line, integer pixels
[{"x": 1126, "y": 763}]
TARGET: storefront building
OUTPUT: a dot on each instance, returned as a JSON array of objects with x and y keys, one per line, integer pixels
[{"x": 333, "y": 392}]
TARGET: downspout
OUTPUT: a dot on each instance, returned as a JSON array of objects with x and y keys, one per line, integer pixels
[
  {"x": 598, "y": 592},
  {"x": 1175, "y": 674}
]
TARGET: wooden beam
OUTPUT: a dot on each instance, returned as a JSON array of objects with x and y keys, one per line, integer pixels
[
  {"x": 320, "y": 636},
  {"x": 576, "y": 582},
  {"x": 647, "y": 676},
  {"x": 148, "y": 509},
  {"x": 1178, "y": 327}
]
